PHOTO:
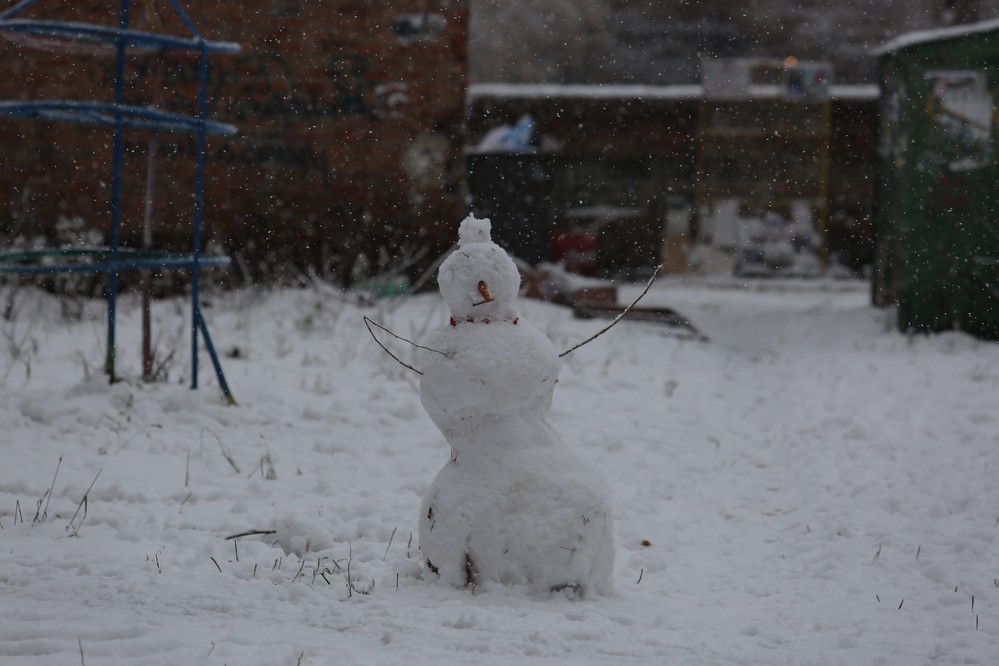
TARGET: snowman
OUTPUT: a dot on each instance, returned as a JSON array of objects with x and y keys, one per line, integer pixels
[{"x": 513, "y": 504}]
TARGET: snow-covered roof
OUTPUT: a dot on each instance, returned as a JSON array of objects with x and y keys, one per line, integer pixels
[
  {"x": 683, "y": 92},
  {"x": 935, "y": 35}
]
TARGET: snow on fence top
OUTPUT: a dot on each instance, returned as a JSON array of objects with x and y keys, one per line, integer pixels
[
  {"x": 935, "y": 35},
  {"x": 686, "y": 92}
]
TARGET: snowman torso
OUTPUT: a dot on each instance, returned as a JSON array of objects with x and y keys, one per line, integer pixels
[
  {"x": 496, "y": 376},
  {"x": 513, "y": 504}
]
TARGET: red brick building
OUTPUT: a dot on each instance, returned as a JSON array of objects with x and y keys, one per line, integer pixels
[{"x": 350, "y": 117}]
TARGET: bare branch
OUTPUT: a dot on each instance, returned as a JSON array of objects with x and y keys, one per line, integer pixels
[
  {"x": 41, "y": 514},
  {"x": 83, "y": 502},
  {"x": 369, "y": 323},
  {"x": 399, "y": 337},
  {"x": 391, "y": 536},
  {"x": 250, "y": 533},
  {"x": 225, "y": 451},
  {"x": 431, "y": 270},
  {"x": 617, "y": 318}
]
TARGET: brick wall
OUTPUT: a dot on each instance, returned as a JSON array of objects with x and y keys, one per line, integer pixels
[{"x": 350, "y": 116}]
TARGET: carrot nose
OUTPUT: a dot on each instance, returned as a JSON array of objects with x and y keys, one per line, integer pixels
[{"x": 484, "y": 291}]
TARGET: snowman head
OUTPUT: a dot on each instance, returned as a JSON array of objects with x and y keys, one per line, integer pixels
[{"x": 479, "y": 280}]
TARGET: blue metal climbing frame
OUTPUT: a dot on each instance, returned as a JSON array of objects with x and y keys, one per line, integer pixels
[{"x": 121, "y": 116}]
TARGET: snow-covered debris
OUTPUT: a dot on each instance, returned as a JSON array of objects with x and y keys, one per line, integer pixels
[{"x": 509, "y": 138}]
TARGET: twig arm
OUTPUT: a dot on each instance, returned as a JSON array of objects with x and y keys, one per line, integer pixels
[
  {"x": 369, "y": 323},
  {"x": 399, "y": 337},
  {"x": 617, "y": 318}
]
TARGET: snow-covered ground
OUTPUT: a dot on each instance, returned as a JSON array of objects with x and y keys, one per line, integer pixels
[{"x": 807, "y": 487}]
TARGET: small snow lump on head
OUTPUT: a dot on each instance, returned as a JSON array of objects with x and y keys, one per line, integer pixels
[
  {"x": 479, "y": 280},
  {"x": 474, "y": 230}
]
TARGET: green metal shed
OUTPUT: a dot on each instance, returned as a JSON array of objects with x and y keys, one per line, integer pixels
[{"x": 937, "y": 202}]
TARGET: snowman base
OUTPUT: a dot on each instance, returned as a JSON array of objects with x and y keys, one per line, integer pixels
[{"x": 539, "y": 520}]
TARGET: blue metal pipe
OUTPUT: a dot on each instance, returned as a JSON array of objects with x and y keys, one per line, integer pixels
[
  {"x": 111, "y": 115},
  {"x": 223, "y": 384},
  {"x": 185, "y": 18},
  {"x": 138, "y": 39},
  {"x": 198, "y": 201},
  {"x": 107, "y": 266},
  {"x": 18, "y": 8},
  {"x": 116, "y": 169}
]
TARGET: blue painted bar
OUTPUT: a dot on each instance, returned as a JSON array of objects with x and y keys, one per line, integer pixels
[
  {"x": 112, "y": 115},
  {"x": 18, "y": 8},
  {"x": 196, "y": 234},
  {"x": 108, "y": 266},
  {"x": 97, "y": 34},
  {"x": 116, "y": 165}
]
